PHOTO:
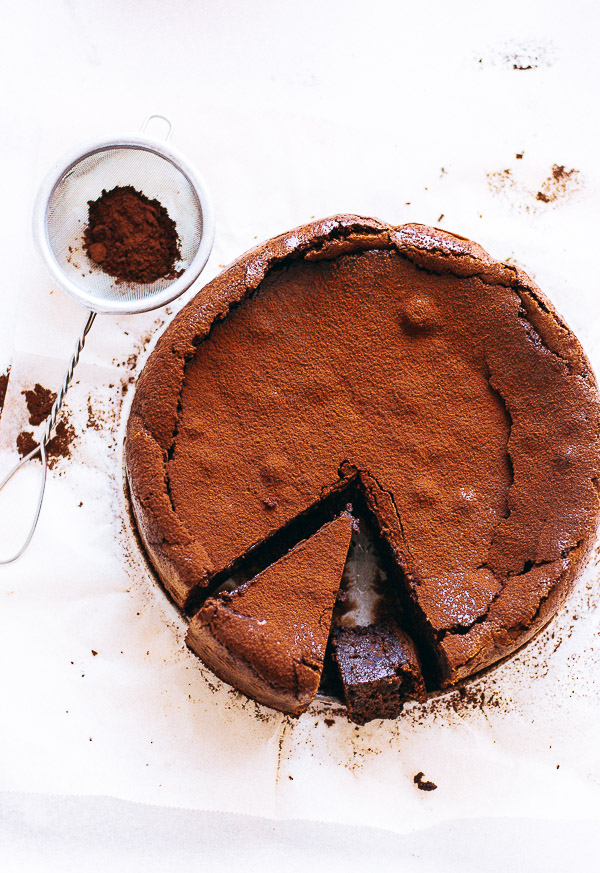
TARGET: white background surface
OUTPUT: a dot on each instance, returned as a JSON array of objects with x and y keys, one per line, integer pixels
[{"x": 137, "y": 758}]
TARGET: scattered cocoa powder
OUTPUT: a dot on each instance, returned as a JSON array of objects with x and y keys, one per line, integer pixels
[
  {"x": 57, "y": 447},
  {"x": 39, "y": 403},
  {"x": 93, "y": 421},
  {"x": 131, "y": 237},
  {"x": 558, "y": 184},
  {"x": 519, "y": 56}
]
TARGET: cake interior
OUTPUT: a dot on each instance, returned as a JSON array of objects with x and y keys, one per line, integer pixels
[{"x": 379, "y": 669}]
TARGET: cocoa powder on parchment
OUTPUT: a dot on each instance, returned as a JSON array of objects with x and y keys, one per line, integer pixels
[
  {"x": 3, "y": 387},
  {"x": 39, "y": 402}
]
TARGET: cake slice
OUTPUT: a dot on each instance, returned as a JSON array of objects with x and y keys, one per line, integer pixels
[
  {"x": 268, "y": 637},
  {"x": 379, "y": 668}
]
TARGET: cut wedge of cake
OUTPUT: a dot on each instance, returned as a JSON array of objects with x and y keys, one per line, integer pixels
[{"x": 268, "y": 637}]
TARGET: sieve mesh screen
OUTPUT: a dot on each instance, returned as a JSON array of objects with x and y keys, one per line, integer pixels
[{"x": 153, "y": 175}]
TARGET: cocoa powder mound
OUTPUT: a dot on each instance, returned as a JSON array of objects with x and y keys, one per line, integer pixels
[
  {"x": 39, "y": 401},
  {"x": 131, "y": 237},
  {"x": 26, "y": 443}
]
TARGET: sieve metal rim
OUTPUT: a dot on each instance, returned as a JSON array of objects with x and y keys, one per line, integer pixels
[{"x": 55, "y": 176}]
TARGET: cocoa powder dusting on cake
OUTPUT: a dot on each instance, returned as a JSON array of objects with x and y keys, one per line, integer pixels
[{"x": 39, "y": 401}]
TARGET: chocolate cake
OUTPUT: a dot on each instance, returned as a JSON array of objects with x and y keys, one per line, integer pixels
[
  {"x": 399, "y": 365},
  {"x": 379, "y": 668},
  {"x": 268, "y": 637}
]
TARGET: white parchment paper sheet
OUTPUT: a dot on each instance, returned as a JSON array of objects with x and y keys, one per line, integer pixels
[{"x": 290, "y": 113}]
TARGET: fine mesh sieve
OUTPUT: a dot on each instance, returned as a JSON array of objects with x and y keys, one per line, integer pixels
[{"x": 159, "y": 172}]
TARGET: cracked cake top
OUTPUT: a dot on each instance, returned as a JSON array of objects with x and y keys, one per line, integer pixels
[{"x": 400, "y": 361}]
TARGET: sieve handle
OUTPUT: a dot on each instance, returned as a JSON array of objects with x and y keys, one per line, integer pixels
[
  {"x": 164, "y": 118},
  {"x": 45, "y": 436}
]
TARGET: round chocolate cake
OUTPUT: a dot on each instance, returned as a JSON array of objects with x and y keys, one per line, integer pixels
[{"x": 397, "y": 375}]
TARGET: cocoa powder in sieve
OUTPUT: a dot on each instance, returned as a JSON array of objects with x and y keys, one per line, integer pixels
[{"x": 131, "y": 237}]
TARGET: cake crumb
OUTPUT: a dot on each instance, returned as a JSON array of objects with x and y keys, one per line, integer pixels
[{"x": 422, "y": 784}]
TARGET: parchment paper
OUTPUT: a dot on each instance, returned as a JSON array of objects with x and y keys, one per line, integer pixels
[{"x": 100, "y": 695}]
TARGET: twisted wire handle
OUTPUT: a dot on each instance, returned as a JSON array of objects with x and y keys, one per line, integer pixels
[
  {"x": 66, "y": 381},
  {"x": 45, "y": 436}
]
